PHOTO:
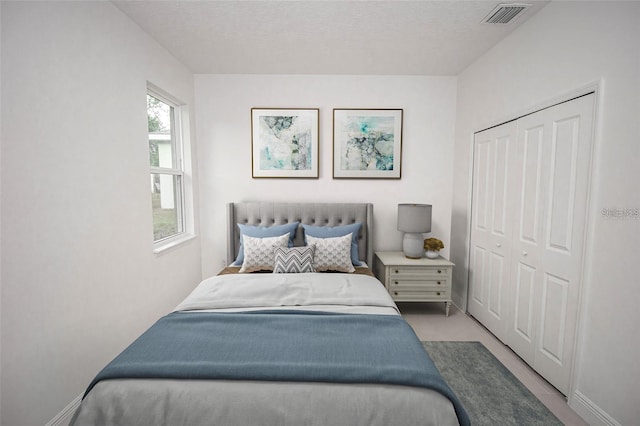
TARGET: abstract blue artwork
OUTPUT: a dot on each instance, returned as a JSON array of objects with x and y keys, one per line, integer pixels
[
  {"x": 285, "y": 142},
  {"x": 367, "y": 143}
]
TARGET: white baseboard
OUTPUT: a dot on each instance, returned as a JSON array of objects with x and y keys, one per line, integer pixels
[
  {"x": 590, "y": 412},
  {"x": 64, "y": 417}
]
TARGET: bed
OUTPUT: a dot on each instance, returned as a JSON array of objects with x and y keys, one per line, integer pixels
[{"x": 318, "y": 341}]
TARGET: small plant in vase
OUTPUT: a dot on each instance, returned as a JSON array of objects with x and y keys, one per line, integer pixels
[{"x": 432, "y": 246}]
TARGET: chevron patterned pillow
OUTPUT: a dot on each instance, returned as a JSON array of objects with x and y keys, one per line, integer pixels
[
  {"x": 293, "y": 260},
  {"x": 332, "y": 254}
]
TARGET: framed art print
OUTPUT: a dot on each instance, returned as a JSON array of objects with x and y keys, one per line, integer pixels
[
  {"x": 284, "y": 143},
  {"x": 367, "y": 143}
]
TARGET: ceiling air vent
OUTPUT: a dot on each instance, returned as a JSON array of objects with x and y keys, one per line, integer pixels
[{"x": 504, "y": 13}]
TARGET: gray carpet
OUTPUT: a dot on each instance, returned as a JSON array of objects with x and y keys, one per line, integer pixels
[{"x": 490, "y": 393}]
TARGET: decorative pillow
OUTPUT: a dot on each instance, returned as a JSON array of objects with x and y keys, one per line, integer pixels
[
  {"x": 293, "y": 260},
  {"x": 258, "y": 252},
  {"x": 332, "y": 254},
  {"x": 337, "y": 231},
  {"x": 262, "y": 232}
]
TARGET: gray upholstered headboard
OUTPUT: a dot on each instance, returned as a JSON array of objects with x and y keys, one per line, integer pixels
[{"x": 318, "y": 214}]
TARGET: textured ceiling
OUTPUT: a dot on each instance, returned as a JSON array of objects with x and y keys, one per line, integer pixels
[{"x": 391, "y": 37}]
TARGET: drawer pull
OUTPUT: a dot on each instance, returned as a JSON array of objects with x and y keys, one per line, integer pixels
[
  {"x": 438, "y": 293},
  {"x": 397, "y": 271},
  {"x": 395, "y": 282},
  {"x": 439, "y": 283},
  {"x": 395, "y": 293},
  {"x": 439, "y": 271}
]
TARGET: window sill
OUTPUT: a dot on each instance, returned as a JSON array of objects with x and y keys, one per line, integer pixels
[{"x": 173, "y": 243}]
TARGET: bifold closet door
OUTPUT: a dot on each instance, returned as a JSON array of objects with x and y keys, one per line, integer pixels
[
  {"x": 493, "y": 187},
  {"x": 528, "y": 218},
  {"x": 553, "y": 160}
]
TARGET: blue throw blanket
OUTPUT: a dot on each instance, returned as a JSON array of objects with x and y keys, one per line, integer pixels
[{"x": 281, "y": 346}]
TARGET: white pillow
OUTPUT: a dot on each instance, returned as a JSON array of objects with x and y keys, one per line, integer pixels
[
  {"x": 332, "y": 254},
  {"x": 258, "y": 252}
]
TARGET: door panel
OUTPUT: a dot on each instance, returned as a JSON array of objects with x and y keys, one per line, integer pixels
[
  {"x": 531, "y": 166},
  {"x": 553, "y": 318},
  {"x": 564, "y": 156},
  {"x": 496, "y": 283},
  {"x": 501, "y": 174},
  {"x": 491, "y": 227},
  {"x": 483, "y": 184},
  {"x": 478, "y": 277},
  {"x": 522, "y": 315},
  {"x": 555, "y": 145}
]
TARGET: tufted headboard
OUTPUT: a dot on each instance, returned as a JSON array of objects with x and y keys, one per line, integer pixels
[{"x": 318, "y": 214}]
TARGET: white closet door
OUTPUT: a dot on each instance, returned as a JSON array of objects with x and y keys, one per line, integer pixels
[
  {"x": 491, "y": 235},
  {"x": 554, "y": 147}
]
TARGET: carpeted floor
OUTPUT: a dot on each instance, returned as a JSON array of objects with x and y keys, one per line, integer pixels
[{"x": 490, "y": 393}]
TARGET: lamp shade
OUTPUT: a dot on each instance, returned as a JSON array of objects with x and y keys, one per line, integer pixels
[{"x": 414, "y": 218}]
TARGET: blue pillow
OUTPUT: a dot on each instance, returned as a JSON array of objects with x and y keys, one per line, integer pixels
[
  {"x": 263, "y": 232},
  {"x": 337, "y": 231}
]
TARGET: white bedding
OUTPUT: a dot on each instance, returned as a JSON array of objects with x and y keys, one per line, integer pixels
[
  {"x": 217, "y": 402},
  {"x": 316, "y": 291}
]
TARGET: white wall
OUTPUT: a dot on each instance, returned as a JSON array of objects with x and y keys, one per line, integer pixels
[
  {"x": 223, "y": 112},
  {"x": 0, "y": 222},
  {"x": 566, "y": 46},
  {"x": 79, "y": 279}
]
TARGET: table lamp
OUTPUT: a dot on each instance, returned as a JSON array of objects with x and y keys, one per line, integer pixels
[{"x": 413, "y": 220}]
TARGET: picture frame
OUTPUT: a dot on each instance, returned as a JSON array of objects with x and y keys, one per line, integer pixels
[
  {"x": 284, "y": 142},
  {"x": 367, "y": 143}
]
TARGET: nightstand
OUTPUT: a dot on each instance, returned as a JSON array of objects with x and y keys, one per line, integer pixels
[{"x": 414, "y": 280}]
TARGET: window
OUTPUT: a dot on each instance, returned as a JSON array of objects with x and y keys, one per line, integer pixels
[{"x": 166, "y": 168}]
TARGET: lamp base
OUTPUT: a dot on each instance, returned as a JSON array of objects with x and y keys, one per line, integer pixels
[{"x": 413, "y": 245}]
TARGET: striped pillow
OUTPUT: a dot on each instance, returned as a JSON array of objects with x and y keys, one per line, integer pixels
[{"x": 293, "y": 260}]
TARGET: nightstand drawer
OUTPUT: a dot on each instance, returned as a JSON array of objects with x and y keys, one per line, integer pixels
[
  {"x": 418, "y": 282},
  {"x": 406, "y": 295},
  {"x": 416, "y": 272}
]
